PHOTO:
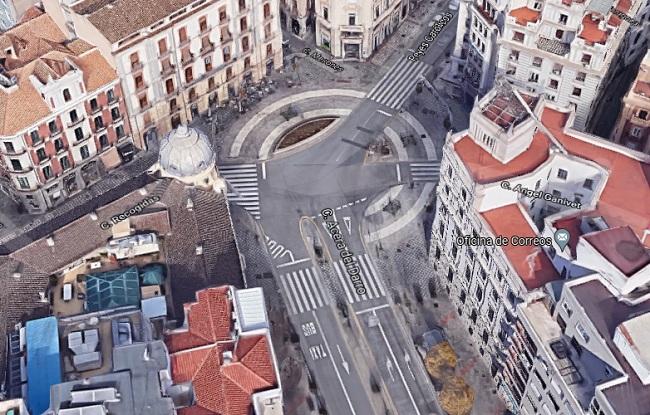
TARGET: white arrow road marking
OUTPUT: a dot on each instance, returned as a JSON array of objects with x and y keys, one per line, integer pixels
[
  {"x": 407, "y": 359},
  {"x": 345, "y": 364},
  {"x": 348, "y": 224},
  {"x": 389, "y": 366}
]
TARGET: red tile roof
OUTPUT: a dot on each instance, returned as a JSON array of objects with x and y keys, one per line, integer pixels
[
  {"x": 530, "y": 262},
  {"x": 625, "y": 199},
  {"x": 486, "y": 169},
  {"x": 571, "y": 224},
  {"x": 642, "y": 88},
  {"x": 524, "y": 15},
  {"x": 590, "y": 31},
  {"x": 197, "y": 355}
]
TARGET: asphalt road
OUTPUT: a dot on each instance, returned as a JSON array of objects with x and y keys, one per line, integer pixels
[{"x": 293, "y": 189}]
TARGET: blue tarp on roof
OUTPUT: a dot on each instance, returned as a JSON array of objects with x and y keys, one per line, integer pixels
[
  {"x": 152, "y": 274},
  {"x": 43, "y": 362}
]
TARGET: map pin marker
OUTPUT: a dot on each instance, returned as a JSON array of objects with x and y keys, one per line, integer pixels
[{"x": 561, "y": 237}]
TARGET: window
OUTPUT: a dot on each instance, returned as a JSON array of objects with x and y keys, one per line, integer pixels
[
  {"x": 247, "y": 63},
  {"x": 326, "y": 13},
  {"x": 169, "y": 86},
  {"x": 581, "y": 76},
  {"x": 23, "y": 182},
  {"x": 533, "y": 77},
  {"x": 537, "y": 61},
  {"x": 586, "y": 59},
  {"x": 189, "y": 76},
  {"x": 47, "y": 172},
  {"x": 10, "y": 148},
  {"x": 267, "y": 10},
  {"x": 40, "y": 153},
  {"x": 52, "y": 126},
  {"x": 208, "y": 64},
  {"x": 66, "y": 95},
  {"x": 226, "y": 54},
  {"x": 103, "y": 141},
  {"x": 229, "y": 74},
  {"x": 115, "y": 113},
  {"x": 65, "y": 163},
  {"x": 518, "y": 37},
  {"x": 111, "y": 95},
  {"x": 242, "y": 5},
  {"x": 514, "y": 55},
  {"x": 84, "y": 152},
  {"x": 352, "y": 19},
  {"x": 162, "y": 46},
  {"x": 269, "y": 50},
  {"x": 135, "y": 60},
  {"x": 93, "y": 104},
  {"x": 139, "y": 82},
  {"x": 119, "y": 131},
  {"x": 58, "y": 145},
  {"x": 203, "y": 24},
  {"x": 182, "y": 35},
  {"x": 73, "y": 116},
  {"x": 562, "y": 174},
  {"x": 564, "y": 18},
  {"x": 635, "y": 131},
  {"x": 557, "y": 193},
  {"x": 243, "y": 24},
  {"x": 643, "y": 114},
  {"x": 99, "y": 123},
  {"x": 211, "y": 83},
  {"x": 244, "y": 44},
  {"x": 588, "y": 184},
  {"x": 222, "y": 15},
  {"x": 79, "y": 133},
  {"x": 15, "y": 165},
  {"x": 557, "y": 69},
  {"x": 172, "y": 105},
  {"x": 576, "y": 92},
  {"x": 144, "y": 102},
  {"x": 559, "y": 34}
]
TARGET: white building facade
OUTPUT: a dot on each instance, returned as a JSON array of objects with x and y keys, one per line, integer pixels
[
  {"x": 518, "y": 145},
  {"x": 177, "y": 61},
  {"x": 355, "y": 29}
]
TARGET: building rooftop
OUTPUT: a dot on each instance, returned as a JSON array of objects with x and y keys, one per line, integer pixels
[
  {"x": 590, "y": 31},
  {"x": 43, "y": 362},
  {"x": 621, "y": 247},
  {"x": 624, "y": 201},
  {"x": 40, "y": 49},
  {"x": 531, "y": 263},
  {"x": 505, "y": 109},
  {"x": 132, "y": 388},
  {"x": 117, "y": 19},
  {"x": 606, "y": 313},
  {"x": 225, "y": 368},
  {"x": 525, "y": 15},
  {"x": 484, "y": 168}
]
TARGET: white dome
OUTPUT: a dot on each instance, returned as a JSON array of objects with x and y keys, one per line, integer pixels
[{"x": 185, "y": 152}]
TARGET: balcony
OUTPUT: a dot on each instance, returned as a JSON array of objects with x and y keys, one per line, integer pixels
[
  {"x": 167, "y": 69},
  {"x": 489, "y": 18},
  {"x": 75, "y": 122},
  {"x": 112, "y": 98},
  {"x": 100, "y": 129},
  {"x": 136, "y": 66},
  {"x": 553, "y": 46},
  {"x": 96, "y": 109},
  {"x": 224, "y": 19},
  {"x": 141, "y": 87},
  {"x": 352, "y": 28},
  {"x": 184, "y": 42},
  {"x": 206, "y": 48},
  {"x": 269, "y": 17},
  {"x": 81, "y": 140},
  {"x": 55, "y": 133},
  {"x": 205, "y": 29}
]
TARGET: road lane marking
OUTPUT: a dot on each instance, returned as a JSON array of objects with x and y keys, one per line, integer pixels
[
  {"x": 312, "y": 285},
  {"x": 371, "y": 309},
  {"x": 345, "y": 286},
  {"x": 286, "y": 290},
  {"x": 399, "y": 371},
  {"x": 399, "y": 173},
  {"x": 304, "y": 283},
  {"x": 373, "y": 271},
  {"x": 295, "y": 294},
  {"x": 336, "y": 370},
  {"x": 264, "y": 170},
  {"x": 298, "y": 261},
  {"x": 385, "y": 113}
]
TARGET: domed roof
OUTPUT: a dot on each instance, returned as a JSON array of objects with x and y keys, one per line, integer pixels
[{"x": 185, "y": 152}]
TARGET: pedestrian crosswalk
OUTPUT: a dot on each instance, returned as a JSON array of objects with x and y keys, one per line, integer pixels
[
  {"x": 368, "y": 287},
  {"x": 425, "y": 171},
  {"x": 393, "y": 89},
  {"x": 304, "y": 290},
  {"x": 243, "y": 190}
]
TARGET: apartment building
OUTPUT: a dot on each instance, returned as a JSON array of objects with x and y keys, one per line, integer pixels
[
  {"x": 475, "y": 55},
  {"x": 633, "y": 125},
  {"x": 176, "y": 59},
  {"x": 519, "y": 173},
  {"x": 355, "y": 29},
  {"x": 562, "y": 48},
  {"x": 63, "y": 115}
]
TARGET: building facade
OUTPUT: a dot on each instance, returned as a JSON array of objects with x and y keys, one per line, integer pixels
[
  {"x": 296, "y": 16},
  {"x": 475, "y": 55},
  {"x": 633, "y": 125},
  {"x": 518, "y": 174},
  {"x": 354, "y": 30},
  {"x": 178, "y": 60},
  {"x": 563, "y": 49},
  {"x": 64, "y": 118}
]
